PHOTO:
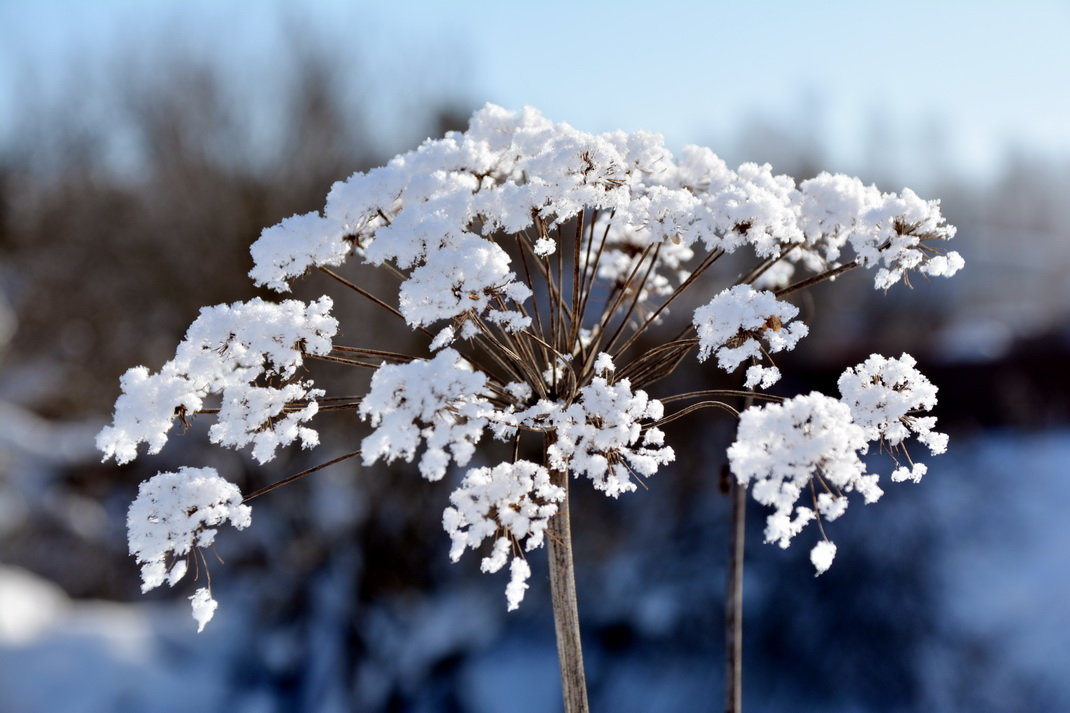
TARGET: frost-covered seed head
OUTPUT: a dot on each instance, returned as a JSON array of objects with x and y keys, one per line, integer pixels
[
  {"x": 175, "y": 513},
  {"x": 742, "y": 323},
  {"x": 465, "y": 221}
]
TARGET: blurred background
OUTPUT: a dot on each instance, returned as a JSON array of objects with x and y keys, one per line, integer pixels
[{"x": 143, "y": 146}]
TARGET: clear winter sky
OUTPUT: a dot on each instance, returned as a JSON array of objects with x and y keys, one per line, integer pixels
[{"x": 994, "y": 75}]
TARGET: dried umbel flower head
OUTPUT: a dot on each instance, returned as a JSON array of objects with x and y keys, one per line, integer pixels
[
  {"x": 174, "y": 516},
  {"x": 533, "y": 257}
]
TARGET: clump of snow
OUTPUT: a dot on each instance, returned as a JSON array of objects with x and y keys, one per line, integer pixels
[
  {"x": 884, "y": 230},
  {"x": 444, "y": 338},
  {"x": 822, "y": 555},
  {"x": 544, "y": 247},
  {"x": 735, "y": 324},
  {"x": 174, "y": 513},
  {"x": 203, "y": 607},
  {"x": 761, "y": 376},
  {"x": 815, "y": 443},
  {"x": 884, "y": 396},
  {"x": 510, "y": 503},
  {"x": 227, "y": 351},
  {"x": 781, "y": 449},
  {"x": 519, "y": 574},
  {"x": 437, "y": 401},
  {"x": 603, "y": 364},
  {"x": 602, "y": 436},
  {"x": 295, "y": 245}
]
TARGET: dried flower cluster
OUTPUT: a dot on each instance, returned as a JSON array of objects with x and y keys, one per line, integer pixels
[{"x": 534, "y": 257}]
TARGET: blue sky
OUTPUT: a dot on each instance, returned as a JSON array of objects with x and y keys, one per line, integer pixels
[{"x": 994, "y": 75}]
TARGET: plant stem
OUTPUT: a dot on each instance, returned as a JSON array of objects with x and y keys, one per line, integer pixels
[
  {"x": 563, "y": 597},
  {"x": 733, "y": 599},
  {"x": 733, "y": 699}
]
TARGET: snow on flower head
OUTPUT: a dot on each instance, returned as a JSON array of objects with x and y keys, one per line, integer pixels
[
  {"x": 437, "y": 401},
  {"x": 735, "y": 324},
  {"x": 887, "y": 231},
  {"x": 517, "y": 171},
  {"x": 603, "y": 437},
  {"x": 806, "y": 448},
  {"x": 175, "y": 513},
  {"x": 809, "y": 448},
  {"x": 228, "y": 350},
  {"x": 510, "y": 504},
  {"x": 534, "y": 257},
  {"x": 885, "y": 397}
]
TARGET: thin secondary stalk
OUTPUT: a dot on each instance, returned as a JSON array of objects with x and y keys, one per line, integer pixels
[
  {"x": 733, "y": 601},
  {"x": 733, "y": 642},
  {"x": 563, "y": 597}
]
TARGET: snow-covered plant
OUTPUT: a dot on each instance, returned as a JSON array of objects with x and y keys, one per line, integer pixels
[
  {"x": 539, "y": 264},
  {"x": 175, "y": 513}
]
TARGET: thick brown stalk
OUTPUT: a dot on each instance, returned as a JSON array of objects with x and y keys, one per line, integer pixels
[{"x": 563, "y": 597}]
